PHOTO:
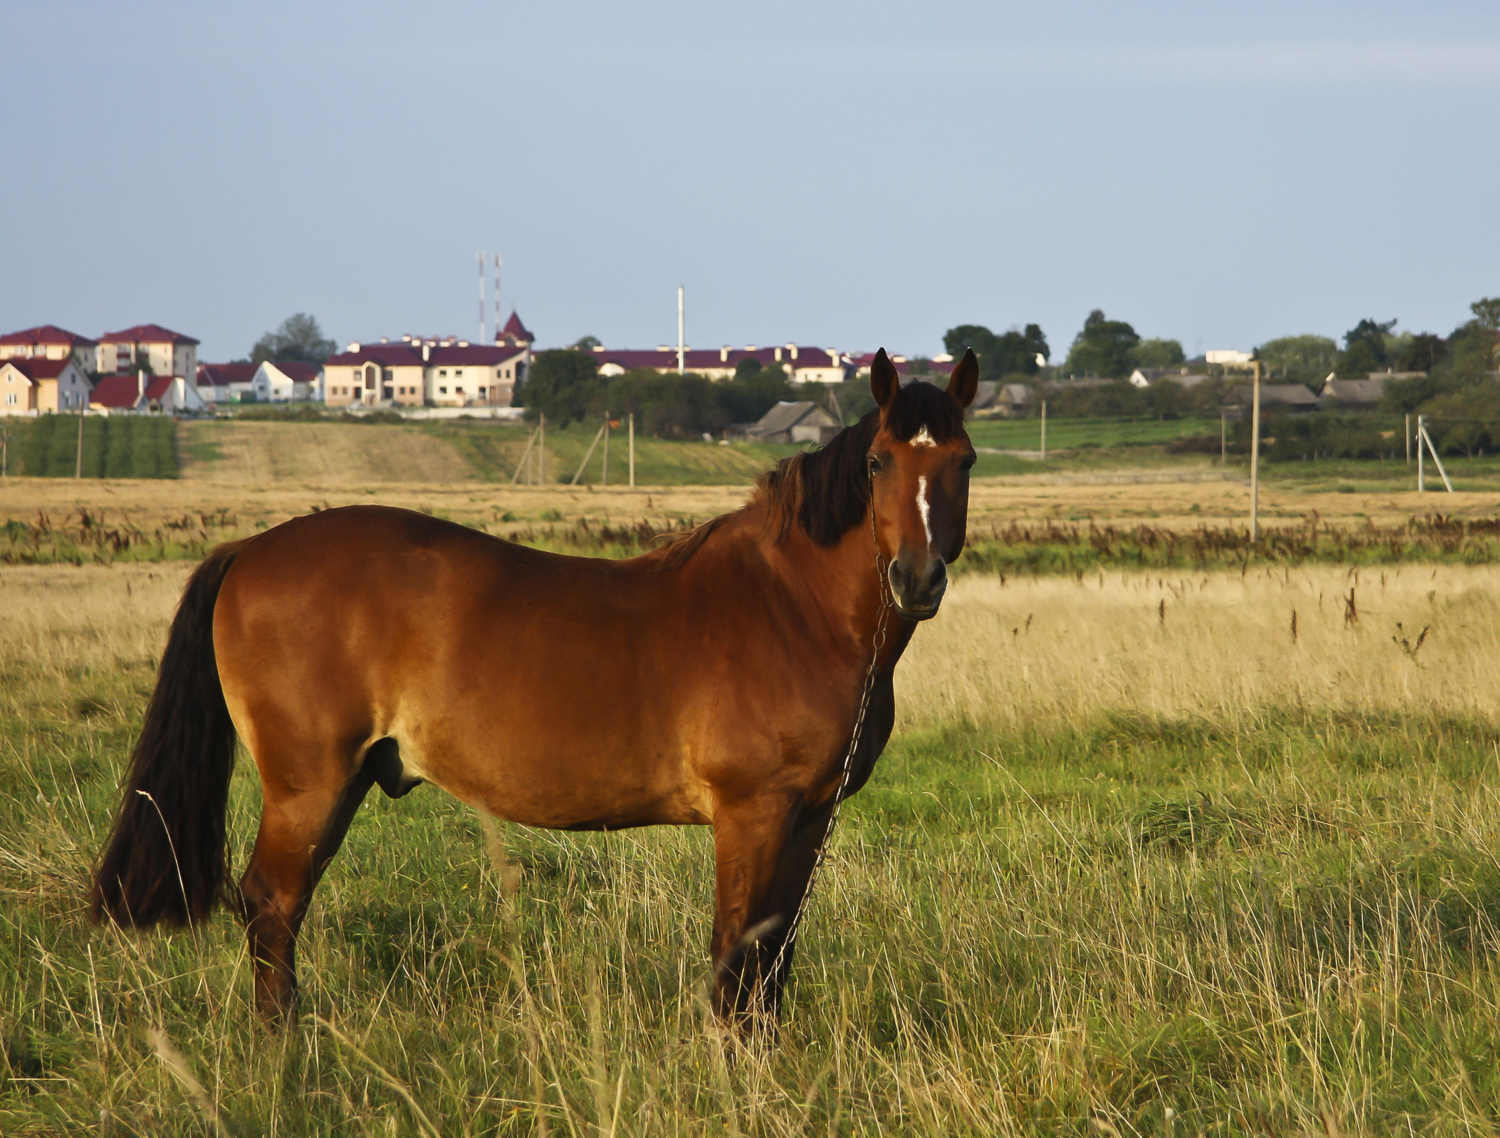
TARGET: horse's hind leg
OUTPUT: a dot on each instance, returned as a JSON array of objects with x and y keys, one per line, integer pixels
[
  {"x": 300, "y": 831},
  {"x": 764, "y": 854}
]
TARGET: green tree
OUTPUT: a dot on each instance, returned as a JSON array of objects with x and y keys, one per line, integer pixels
[
  {"x": 587, "y": 343},
  {"x": 1299, "y": 359},
  {"x": 1159, "y": 353},
  {"x": 298, "y": 338},
  {"x": 1011, "y": 353},
  {"x": 750, "y": 394},
  {"x": 1104, "y": 347},
  {"x": 1424, "y": 352},
  {"x": 561, "y": 384},
  {"x": 1364, "y": 349},
  {"x": 747, "y": 367}
]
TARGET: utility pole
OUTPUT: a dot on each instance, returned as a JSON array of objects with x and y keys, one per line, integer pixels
[
  {"x": 1223, "y": 439},
  {"x": 680, "y": 352},
  {"x": 541, "y": 449},
  {"x": 606, "y": 448},
  {"x": 630, "y": 421},
  {"x": 1044, "y": 430},
  {"x": 78, "y": 470},
  {"x": 4, "y": 452},
  {"x": 1255, "y": 457},
  {"x": 1421, "y": 466},
  {"x": 1424, "y": 437}
]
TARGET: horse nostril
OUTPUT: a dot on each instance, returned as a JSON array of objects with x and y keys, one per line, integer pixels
[
  {"x": 897, "y": 577},
  {"x": 939, "y": 576}
]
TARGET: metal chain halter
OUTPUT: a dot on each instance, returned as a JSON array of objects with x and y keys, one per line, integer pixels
[{"x": 887, "y": 602}]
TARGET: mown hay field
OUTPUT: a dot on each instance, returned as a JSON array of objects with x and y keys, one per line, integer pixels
[{"x": 1139, "y": 860}]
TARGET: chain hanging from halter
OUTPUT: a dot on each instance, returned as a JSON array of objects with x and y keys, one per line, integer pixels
[{"x": 887, "y": 602}]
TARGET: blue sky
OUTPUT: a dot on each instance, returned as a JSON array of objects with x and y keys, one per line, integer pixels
[{"x": 841, "y": 174}]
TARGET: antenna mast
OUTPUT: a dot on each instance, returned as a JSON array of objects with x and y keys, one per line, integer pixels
[
  {"x": 497, "y": 296},
  {"x": 481, "y": 297},
  {"x": 679, "y": 331}
]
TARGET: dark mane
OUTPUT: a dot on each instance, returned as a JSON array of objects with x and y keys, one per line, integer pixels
[{"x": 827, "y": 491}]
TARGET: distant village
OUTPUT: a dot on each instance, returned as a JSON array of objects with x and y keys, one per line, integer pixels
[{"x": 152, "y": 370}]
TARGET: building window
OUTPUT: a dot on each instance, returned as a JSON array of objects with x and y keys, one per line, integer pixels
[
  {"x": 442, "y": 391},
  {"x": 10, "y": 397},
  {"x": 444, "y": 372}
]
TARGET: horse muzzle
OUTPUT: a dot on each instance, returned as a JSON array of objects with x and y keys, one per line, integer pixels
[{"x": 917, "y": 589}]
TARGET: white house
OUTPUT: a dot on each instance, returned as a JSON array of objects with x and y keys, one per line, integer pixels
[
  {"x": 802, "y": 364},
  {"x": 1146, "y": 376},
  {"x": 287, "y": 381},
  {"x": 435, "y": 372},
  {"x": 225, "y": 383}
]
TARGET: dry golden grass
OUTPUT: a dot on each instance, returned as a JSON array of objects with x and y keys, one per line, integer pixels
[
  {"x": 1177, "y": 506},
  {"x": 1217, "y": 645}
]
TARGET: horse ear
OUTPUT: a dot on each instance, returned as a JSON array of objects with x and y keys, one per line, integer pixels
[
  {"x": 884, "y": 382},
  {"x": 964, "y": 382}
]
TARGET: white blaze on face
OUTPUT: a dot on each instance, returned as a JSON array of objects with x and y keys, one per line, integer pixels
[
  {"x": 923, "y": 439},
  {"x": 923, "y": 508}
]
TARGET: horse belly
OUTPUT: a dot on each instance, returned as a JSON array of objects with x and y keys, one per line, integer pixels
[{"x": 559, "y": 755}]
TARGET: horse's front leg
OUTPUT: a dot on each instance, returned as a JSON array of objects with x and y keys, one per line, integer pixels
[{"x": 765, "y": 850}]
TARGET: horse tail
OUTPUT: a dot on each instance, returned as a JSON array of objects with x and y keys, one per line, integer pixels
[{"x": 165, "y": 861}]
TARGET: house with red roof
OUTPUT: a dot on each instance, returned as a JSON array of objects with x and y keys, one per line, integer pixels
[
  {"x": 225, "y": 383},
  {"x": 434, "y": 372},
  {"x": 148, "y": 347},
  {"x": 940, "y": 365},
  {"x": 36, "y": 384},
  {"x": 49, "y": 342},
  {"x": 143, "y": 394},
  {"x": 802, "y": 364},
  {"x": 286, "y": 381},
  {"x": 515, "y": 333}
]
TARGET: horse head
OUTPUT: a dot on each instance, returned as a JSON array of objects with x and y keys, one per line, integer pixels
[{"x": 919, "y": 462}]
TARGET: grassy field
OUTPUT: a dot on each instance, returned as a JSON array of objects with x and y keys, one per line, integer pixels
[
  {"x": 253, "y": 451},
  {"x": 1070, "y": 434},
  {"x": 113, "y": 447},
  {"x": 1149, "y": 854}
]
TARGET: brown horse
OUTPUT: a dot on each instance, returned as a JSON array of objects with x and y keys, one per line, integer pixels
[{"x": 716, "y": 680}]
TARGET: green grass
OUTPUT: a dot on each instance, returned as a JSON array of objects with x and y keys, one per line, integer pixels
[
  {"x": 125, "y": 446},
  {"x": 493, "y": 452},
  {"x": 1266, "y": 924},
  {"x": 1071, "y": 434}
]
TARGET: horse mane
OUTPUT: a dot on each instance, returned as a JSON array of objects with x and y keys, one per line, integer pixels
[{"x": 827, "y": 491}]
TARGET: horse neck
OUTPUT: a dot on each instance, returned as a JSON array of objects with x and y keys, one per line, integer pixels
[{"x": 841, "y": 581}]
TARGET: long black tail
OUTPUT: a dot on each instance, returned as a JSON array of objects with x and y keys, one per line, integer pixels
[{"x": 165, "y": 861}]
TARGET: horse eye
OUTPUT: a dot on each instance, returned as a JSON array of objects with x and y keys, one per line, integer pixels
[
  {"x": 874, "y": 465},
  {"x": 968, "y": 463}
]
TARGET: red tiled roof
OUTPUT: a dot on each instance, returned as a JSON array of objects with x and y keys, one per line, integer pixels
[
  {"x": 296, "y": 370},
  {"x": 146, "y": 334},
  {"x": 157, "y": 386},
  {"x": 37, "y": 368},
  {"x": 403, "y": 355},
  {"x": 47, "y": 334},
  {"x": 115, "y": 391},
  {"x": 711, "y": 359},
  {"x": 515, "y": 329},
  {"x": 222, "y": 375},
  {"x": 386, "y": 355},
  {"x": 482, "y": 355},
  {"x": 904, "y": 367}
]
